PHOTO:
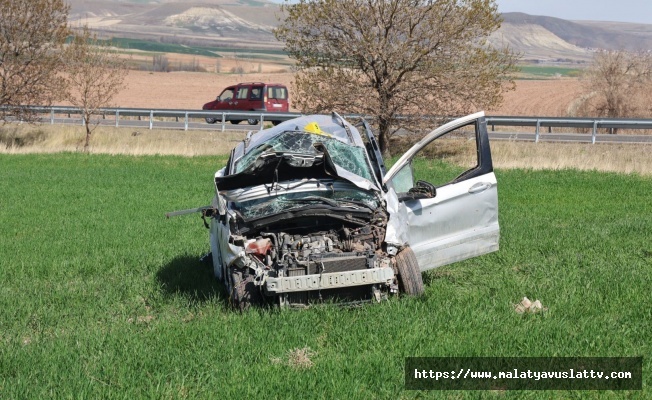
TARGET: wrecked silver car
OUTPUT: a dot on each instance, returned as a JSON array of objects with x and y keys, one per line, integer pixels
[{"x": 306, "y": 212}]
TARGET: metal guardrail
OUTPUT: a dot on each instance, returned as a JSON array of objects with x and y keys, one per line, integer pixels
[
  {"x": 590, "y": 123},
  {"x": 178, "y": 114},
  {"x": 226, "y": 116}
]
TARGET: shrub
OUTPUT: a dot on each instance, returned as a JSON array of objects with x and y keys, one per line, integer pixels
[{"x": 10, "y": 137}]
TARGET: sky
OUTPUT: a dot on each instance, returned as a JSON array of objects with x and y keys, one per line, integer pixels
[
  {"x": 587, "y": 10},
  {"x": 591, "y": 10}
]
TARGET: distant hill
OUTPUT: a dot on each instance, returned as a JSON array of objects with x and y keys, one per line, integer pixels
[
  {"x": 224, "y": 23},
  {"x": 590, "y": 34},
  {"x": 248, "y": 24}
]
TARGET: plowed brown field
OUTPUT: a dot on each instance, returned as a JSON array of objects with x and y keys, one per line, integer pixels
[
  {"x": 190, "y": 90},
  {"x": 545, "y": 98}
]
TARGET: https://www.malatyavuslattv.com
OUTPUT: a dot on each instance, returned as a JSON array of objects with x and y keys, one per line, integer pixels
[{"x": 519, "y": 373}]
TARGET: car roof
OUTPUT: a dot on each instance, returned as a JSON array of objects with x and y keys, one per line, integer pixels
[
  {"x": 260, "y": 83},
  {"x": 330, "y": 126}
]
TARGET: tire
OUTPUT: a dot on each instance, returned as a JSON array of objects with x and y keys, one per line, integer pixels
[
  {"x": 252, "y": 121},
  {"x": 235, "y": 122},
  {"x": 409, "y": 275},
  {"x": 244, "y": 293},
  {"x": 211, "y": 120},
  {"x": 276, "y": 122}
]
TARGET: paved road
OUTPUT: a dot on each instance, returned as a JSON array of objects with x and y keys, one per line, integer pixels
[{"x": 198, "y": 124}]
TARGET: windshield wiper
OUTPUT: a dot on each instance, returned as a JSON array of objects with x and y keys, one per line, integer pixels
[
  {"x": 328, "y": 201},
  {"x": 333, "y": 203},
  {"x": 359, "y": 203}
]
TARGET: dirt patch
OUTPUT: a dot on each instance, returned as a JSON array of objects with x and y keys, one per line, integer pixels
[
  {"x": 183, "y": 90},
  {"x": 544, "y": 98},
  {"x": 190, "y": 90}
]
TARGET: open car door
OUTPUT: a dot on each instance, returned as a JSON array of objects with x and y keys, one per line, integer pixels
[{"x": 452, "y": 211}]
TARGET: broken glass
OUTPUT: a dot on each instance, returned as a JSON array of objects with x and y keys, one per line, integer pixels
[
  {"x": 403, "y": 180},
  {"x": 292, "y": 201},
  {"x": 346, "y": 156}
]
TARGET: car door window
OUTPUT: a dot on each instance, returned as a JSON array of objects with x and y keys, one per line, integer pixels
[
  {"x": 403, "y": 181},
  {"x": 276, "y": 93},
  {"x": 227, "y": 94},
  {"x": 256, "y": 93},
  {"x": 448, "y": 159},
  {"x": 242, "y": 93}
]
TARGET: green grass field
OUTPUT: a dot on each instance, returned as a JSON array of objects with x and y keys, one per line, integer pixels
[
  {"x": 153, "y": 46},
  {"x": 148, "y": 45},
  {"x": 549, "y": 71},
  {"x": 102, "y": 297}
]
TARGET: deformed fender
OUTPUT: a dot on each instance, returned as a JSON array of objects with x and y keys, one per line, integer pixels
[
  {"x": 234, "y": 256},
  {"x": 397, "y": 226}
]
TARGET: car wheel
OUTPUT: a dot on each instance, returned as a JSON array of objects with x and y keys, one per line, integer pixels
[
  {"x": 252, "y": 121},
  {"x": 211, "y": 120},
  {"x": 235, "y": 122},
  {"x": 276, "y": 122},
  {"x": 244, "y": 293},
  {"x": 409, "y": 275}
]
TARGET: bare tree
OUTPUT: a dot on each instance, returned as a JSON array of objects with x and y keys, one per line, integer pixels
[
  {"x": 160, "y": 63},
  {"x": 395, "y": 58},
  {"x": 32, "y": 35},
  {"x": 618, "y": 84},
  {"x": 95, "y": 75}
]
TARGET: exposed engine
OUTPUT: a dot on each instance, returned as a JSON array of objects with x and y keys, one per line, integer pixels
[{"x": 281, "y": 254}]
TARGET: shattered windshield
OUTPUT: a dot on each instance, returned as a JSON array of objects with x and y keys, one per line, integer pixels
[
  {"x": 353, "y": 198},
  {"x": 348, "y": 157}
]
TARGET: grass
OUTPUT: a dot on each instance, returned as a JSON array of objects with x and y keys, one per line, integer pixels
[
  {"x": 626, "y": 158},
  {"x": 547, "y": 71},
  {"x": 102, "y": 297},
  {"x": 148, "y": 45},
  {"x": 235, "y": 50},
  {"x": 45, "y": 138},
  {"x": 106, "y": 139},
  {"x": 216, "y": 52}
]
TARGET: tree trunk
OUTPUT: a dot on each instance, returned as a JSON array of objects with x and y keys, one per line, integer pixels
[
  {"x": 383, "y": 137},
  {"x": 88, "y": 133}
]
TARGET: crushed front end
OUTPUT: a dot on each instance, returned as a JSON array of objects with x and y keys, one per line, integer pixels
[
  {"x": 299, "y": 218},
  {"x": 326, "y": 260}
]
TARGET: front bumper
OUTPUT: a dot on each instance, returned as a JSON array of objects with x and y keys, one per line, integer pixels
[{"x": 333, "y": 280}]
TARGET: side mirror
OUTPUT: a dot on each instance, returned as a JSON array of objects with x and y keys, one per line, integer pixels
[
  {"x": 425, "y": 187},
  {"x": 423, "y": 190}
]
